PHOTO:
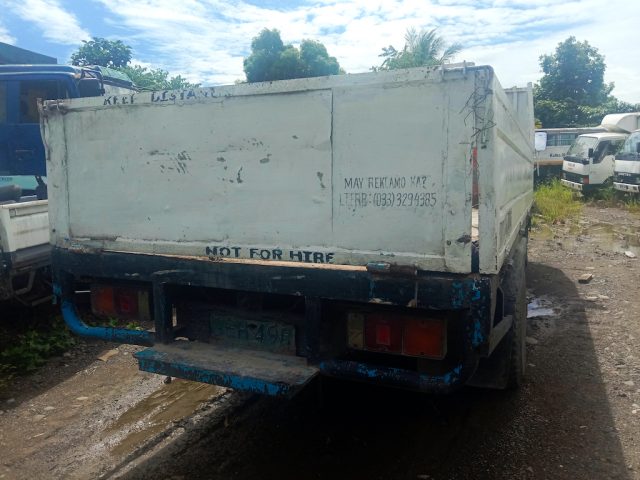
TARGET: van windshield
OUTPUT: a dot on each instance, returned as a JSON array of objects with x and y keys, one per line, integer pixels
[
  {"x": 581, "y": 145},
  {"x": 630, "y": 149}
]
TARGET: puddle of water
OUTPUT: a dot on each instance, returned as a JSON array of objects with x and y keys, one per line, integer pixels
[
  {"x": 617, "y": 239},
  {"x": 606, "y": 236},
  {"x": 542, "y": 318},
  {"x": 539, "y": 307},
  {"x": 170, "y": 403}
]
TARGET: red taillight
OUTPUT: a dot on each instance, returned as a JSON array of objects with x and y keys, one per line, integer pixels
[
  {"x": 397, "y": 333},
  {"x": 382, "y": 334},
  {"x": 585, "y": 180},
  {"x": 424, "y": 338},
  {"x": 126, "y": 302},
  {"x": 120, "y": 302}
]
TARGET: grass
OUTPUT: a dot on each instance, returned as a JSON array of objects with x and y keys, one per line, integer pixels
[
  {"x": 25, "y": 350},
  {"x": 607, "y": 196},
  {"x": 554, "y": 203},
  {"x": 633, "y": 205}
]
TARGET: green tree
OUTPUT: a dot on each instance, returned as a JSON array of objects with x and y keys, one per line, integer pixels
[
  {"x": 572, "y": 91},
  {"x": 421, "y": 49},
  {"x": 270, "y": 59},
  {"x": 99, "y": 51},
  {"x": 155, "y": 79},
  {"x": 116, "y": 54}
]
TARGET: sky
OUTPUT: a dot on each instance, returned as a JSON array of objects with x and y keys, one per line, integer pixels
[{"x": 206, "y": 40}]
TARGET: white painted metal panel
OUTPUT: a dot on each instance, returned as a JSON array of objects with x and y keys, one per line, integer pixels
[
  {"x": 392, "y": 190},
  {"x": 234, "y": 171},
  {"x": 346, "y": 169},
  {"x": 23, "y": 225},
  {"x": 505, "y": 159}
]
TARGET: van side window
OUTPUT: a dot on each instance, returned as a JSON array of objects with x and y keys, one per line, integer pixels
[
  {"x": 600, "y": 152},
  {"x": 560, "y": 139},
  {"x": 32, "y": 90},
  {"x": 615, "y": 147},
  {"x": 3, "y": 102}
]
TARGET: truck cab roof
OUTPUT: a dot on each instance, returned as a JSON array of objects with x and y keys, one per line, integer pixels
[
  {"x": 17, "y": 69},
  {"x": 605, "y": 135},
  {"x": 109, "y": 75}
]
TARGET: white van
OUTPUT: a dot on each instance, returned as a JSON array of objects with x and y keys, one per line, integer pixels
[
  {"x": 626, "y": 177},
  {"x": 589, "y": 162}
]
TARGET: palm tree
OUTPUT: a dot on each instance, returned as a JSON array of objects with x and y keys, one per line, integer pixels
[{"x": 421, "y": 49}]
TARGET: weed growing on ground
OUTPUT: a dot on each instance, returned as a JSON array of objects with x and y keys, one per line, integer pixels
[
  {"x": 610, "y": 197},
  {"x": 26, "y": 351},
  {"x": 633, "y": 205},
  {"x": 554, "y": 203},
  {"x": 605, "y": 194}
]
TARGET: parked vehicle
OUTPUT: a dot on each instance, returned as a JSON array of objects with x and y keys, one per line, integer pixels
[
  {"x": 555, "y": 143},
  {"x": 24, "y": 224},
  {"x": 626, "y": 176},
  {"x": 278, "y": 231},
  {"x": 589, "y": 163}
]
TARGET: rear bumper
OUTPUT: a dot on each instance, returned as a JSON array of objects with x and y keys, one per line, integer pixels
[
  {"x": 469, "y": 295},
  {"x": 573, "y": 185},
  {"x": 626, "y": 187},
  {"x": 20, "y": 267}
]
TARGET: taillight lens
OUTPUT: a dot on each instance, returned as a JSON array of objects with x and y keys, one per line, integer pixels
[
  {"x": 130, "y": 303},
  {"x": 397, "y": 333},
  {"x": 585, "y": 180},
  {"x": 424, "y": 338},
  {"x": 382, "y": 334}
]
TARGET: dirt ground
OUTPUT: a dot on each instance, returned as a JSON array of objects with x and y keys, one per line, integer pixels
[{"x": 577, "y": 416}]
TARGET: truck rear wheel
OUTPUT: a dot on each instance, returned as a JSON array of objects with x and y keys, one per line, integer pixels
[
  {"x": 516, "y": 305},
  {"x": 505, "y": 367}
]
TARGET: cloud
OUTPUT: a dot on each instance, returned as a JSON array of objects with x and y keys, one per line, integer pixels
[
  {"x": 205, "y": 41},
  {"x": 56, "y": 23},
  {"x": 5, "y": 36}
]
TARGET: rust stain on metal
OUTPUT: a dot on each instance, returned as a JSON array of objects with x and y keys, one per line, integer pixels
[{"x": 466, "y": 238}]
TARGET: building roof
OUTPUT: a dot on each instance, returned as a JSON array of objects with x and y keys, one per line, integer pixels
[{"x": 10, "y": 54}]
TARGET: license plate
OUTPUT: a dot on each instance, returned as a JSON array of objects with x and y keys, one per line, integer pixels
[{"x": 272, "y": 336}]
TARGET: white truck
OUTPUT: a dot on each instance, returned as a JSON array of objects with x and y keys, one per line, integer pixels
[
  {"x": 278, "y": 231},
  {"x": 552, "y": 145},
  {"x": 589, "y": 162},
  {"x": 24, "y": 248},
  {"x": 626, "y": 177}
]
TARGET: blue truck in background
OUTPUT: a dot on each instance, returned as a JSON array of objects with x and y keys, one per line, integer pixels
[{"x": 24, "y": 226}]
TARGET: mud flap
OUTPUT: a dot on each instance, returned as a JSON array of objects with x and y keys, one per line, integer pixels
[{"x": 248, "y": 370}]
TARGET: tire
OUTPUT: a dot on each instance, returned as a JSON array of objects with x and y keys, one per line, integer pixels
[{"x": 505, "y": 367}]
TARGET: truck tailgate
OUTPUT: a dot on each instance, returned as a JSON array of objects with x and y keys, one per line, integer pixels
[{"x": 345, "y": 170}]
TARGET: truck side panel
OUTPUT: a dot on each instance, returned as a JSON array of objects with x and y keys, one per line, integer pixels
[{"x": 505, "y": 163}]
